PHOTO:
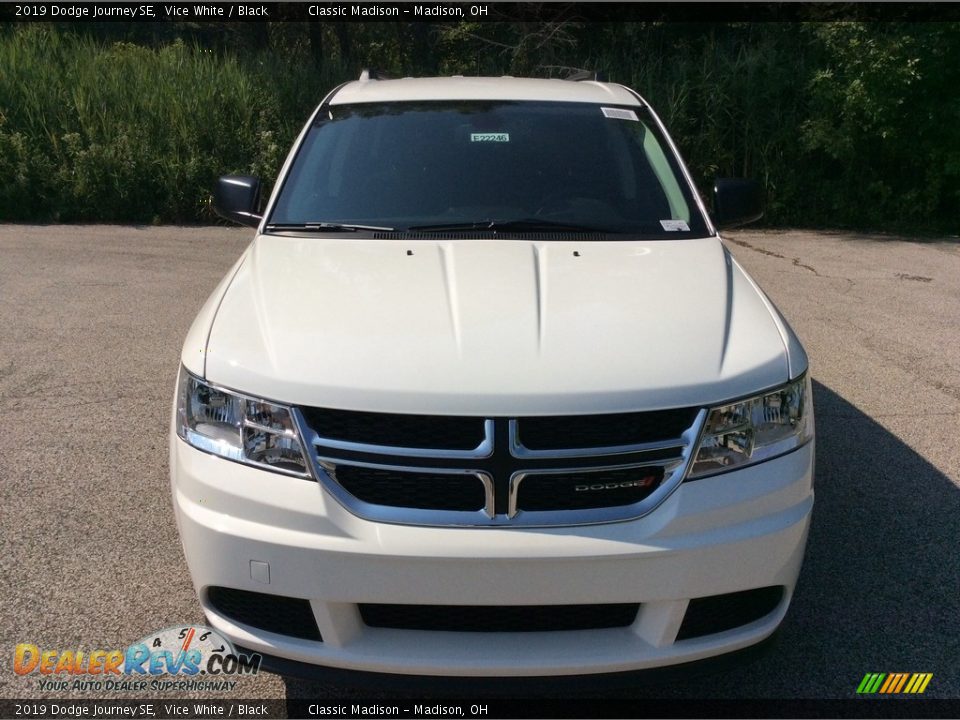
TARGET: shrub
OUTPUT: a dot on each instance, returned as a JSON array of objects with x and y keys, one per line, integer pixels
[{"x": 128, "y": 133}]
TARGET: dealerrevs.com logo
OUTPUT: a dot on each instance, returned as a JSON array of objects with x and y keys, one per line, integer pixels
[{"x": 185, "y": 658}]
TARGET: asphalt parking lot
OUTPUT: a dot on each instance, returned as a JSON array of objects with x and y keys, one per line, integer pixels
[{"x": 91, "y": 323}]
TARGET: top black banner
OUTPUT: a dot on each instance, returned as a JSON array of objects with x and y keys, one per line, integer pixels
[{"x": 475, "y": 12}]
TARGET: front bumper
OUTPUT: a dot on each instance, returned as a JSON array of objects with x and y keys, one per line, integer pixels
[{"x": 257, "y": 531}]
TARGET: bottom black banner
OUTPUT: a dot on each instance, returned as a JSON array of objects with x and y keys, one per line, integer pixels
[{"x": 479, "y": 708}]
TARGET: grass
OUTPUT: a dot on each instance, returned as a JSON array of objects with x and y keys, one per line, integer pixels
[{"x": 128, "y": 133}]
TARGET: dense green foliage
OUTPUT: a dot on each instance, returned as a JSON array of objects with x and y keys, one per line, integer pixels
[
  {"x": 124, "y": 132},
  {"x": 845, "y": 123}
]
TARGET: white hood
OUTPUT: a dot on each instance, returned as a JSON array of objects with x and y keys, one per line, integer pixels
[{"x": 494, "y": 327}]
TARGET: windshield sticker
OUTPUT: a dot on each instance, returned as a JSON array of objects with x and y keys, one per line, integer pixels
[
  {"x": 674, "y": 225},
  {"x": 489, "y": 137},
  {"x": 619, "y": 114}
]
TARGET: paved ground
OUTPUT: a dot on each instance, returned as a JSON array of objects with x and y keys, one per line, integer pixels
[{"x": 91, "y": 321}]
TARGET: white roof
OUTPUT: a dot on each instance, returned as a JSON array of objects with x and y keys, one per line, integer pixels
[{"x": 482, "y": 88}]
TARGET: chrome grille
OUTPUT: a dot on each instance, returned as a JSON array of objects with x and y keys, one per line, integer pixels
[{"x": 540, "y": 471}]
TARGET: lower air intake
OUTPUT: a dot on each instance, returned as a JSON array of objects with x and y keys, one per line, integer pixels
[
  {"x": 709, "y": 615},
  {"x": 273, "y": 613},
  {"x": 499, "y": 618}
]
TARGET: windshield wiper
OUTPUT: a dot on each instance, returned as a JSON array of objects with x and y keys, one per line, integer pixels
[
  {"x": 520, "y": 225},
  {"x": 326, "y": 227}
]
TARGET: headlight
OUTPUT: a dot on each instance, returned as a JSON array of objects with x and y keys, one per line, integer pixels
[
  {"x": 755, "y": 429},
  {"x": 241, "y": 428}
]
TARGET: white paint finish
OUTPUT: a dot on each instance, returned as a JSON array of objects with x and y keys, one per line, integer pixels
[
  {"x": 286, "y": 511},
  {"x": 658, "y": 622},
  {"x": 732, "y": 532},
  {"x": 339, "y": 623},
  {"x": 796, "y": 355},
  {"x": 506, "y": 327},
  {"x": 481, "y": 88},
  {"x": 193, "y": 354},
  {"x": 260, "y": 572}
]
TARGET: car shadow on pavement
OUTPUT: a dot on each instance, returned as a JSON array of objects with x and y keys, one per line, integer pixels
[
  {"x": 879, "y": 590},
  {"x": 880, "y": 587}
]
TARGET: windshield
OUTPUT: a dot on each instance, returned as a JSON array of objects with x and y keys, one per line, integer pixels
[{"x": 518, "y": 166}]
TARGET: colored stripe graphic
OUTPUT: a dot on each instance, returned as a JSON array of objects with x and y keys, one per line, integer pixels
[
  {"x": 870, "y": 683},
  {"x": 891, "y": 680},
  {"x": 894, "y": 683}
]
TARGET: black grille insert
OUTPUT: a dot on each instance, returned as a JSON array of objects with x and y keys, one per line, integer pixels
[
  {"x": 273, "y": 613},
  {"x": 397, "y": 488},
  {"x": 709, "y": 615},
  {"x": 593, "y": 431},
  {"x": 499, "y": 618},
  {"x": 587, "y": 490},
  {"x": 412, "y": 431}
]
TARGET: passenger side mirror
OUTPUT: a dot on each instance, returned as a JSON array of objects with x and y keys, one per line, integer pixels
[
  {"x": 237, "y": 198},
  {"x": 736, "y": 202}
]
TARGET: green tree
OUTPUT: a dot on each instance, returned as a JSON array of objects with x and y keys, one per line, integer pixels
[{"x": 884, "y": 129}]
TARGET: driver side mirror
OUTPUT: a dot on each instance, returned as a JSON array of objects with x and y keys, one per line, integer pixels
[{"x": 237, "y": 198}]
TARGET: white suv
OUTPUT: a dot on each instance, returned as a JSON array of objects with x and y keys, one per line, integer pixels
[{"x": 488, "y": 396}]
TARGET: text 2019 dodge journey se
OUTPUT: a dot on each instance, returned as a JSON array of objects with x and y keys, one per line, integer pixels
[{"x": 488, "y": 396}]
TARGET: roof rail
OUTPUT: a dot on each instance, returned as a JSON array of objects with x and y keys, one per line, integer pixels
[
  {"x": 373, "y": 74},
  {"x": 581, "y": 75}
]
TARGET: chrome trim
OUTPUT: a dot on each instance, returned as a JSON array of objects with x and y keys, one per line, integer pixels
[
  {"x": 519, "y": 450},
  {"x": 675, "y": 471},
  {"x": 376, "y": 512},
  {"x": 308, "y": 447},
  {"x": 483, "y": 450}
]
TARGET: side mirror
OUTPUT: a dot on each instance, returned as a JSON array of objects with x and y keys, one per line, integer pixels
[
  {"x": 736, "y": 202},
  {"x": 237, "y": 198}
]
